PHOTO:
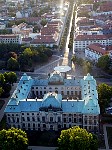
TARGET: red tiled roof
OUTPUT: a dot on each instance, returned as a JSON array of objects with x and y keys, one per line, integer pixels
[
  {"x": 33, "y": 19},
  {"x": 27, "y": 39},
  {"x": 43, "y": 40},
  {"x": 48, "y": 30},
  {"x": 107, "y": 6},
  {"x": 56, "y": 22},
  {"x": 92, "y": 37},
  {"x": 98, "y": 48},
  {"x": 109, "y": 47},
  {"x": 8, "y": 36}
]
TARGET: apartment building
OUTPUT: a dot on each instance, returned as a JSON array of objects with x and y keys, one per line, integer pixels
[
  {"x": 82, "y": 41},
  {"x": 94, "y": 51},
  {"x": 10, "y": 38}
]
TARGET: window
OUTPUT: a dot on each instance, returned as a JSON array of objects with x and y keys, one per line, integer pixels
[
  {"x": 28, "y": 125},
  {"x": 28, "y": 118},
  {"x": 27, "y": 113},
  {"x": 59, "y": 126},
  {"x": 36, "y": 92},
  {"x": 64, "y": 119},
  {"x": 44, "y": 126},
  {"x": 23, "y": 119},
  {"x": 43, "y": 119},
  {"x": 59, "y": 119},
  {"x": 71, "y": 92},
  {"x": 67, "y": 92},
  {"x": 70, "y": 119},
  {"x": 38, "y": 119},
  {"x": 74, "y": 120},
  {"x": 51, "y": 119},
  {"x": 8, "y": 120},
  {"x": 40, "y": 92},
  {"x": 33, "y": 118},
  {"x": 62, "y": 93},
  {"x": 23, "y": 125},
  {"x": 51, "y": 127},
  {"x": 95, "y": 122},
  {"x": 17, "y": 120},
  {"x": 80, "y": 119},
  {"x": 44, "y": 92},
  {"x": 69, "y": 125},
  {"x": 33, "y": 125},
  {"x": 64, "y": 125}
]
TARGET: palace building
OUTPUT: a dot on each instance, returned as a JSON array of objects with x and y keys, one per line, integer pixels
[{"x": 54, "y": 103}]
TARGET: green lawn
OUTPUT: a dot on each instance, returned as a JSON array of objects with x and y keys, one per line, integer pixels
[
  {"x": 2, "y": 102},
  {"x": 109, "y": 134}
]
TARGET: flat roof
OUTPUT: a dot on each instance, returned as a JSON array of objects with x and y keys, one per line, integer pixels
[{"x": 62, "y": 68}]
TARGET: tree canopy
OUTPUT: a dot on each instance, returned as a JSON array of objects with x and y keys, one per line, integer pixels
[
  {"x": 104, "y": 62},
  {"x": 12, "y": 64},
  {"x": 17, "y": 57},
  {"x": 104, "y": 95},
  {"x": 6, "y": 80},
  {"x": 13, "y": 139},
  {"x": 43, "y": 22},
  {"x": 77, "y": 138}
]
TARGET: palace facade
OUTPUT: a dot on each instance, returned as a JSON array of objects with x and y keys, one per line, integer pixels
[{"x": 54, "y": 103}]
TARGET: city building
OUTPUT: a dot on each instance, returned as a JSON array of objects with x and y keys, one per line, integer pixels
[
  {"x": 23, "y": 28},
  {"x": 82, "y": 41},
  {"x": 94, "y": 51},
  {"x": 2, "y": 25},
  {"x": 10, "y": 38},
  {"x": 54, "y": 103}
]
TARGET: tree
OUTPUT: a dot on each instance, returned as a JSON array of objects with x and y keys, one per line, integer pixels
[
  {"x": 2, "y": 79},
  {"x": 12, "y": 77},
  {"x": 36, "y": 28},
  {"x": 77, "y": 138},
  {"x": 86, "y": 67},
  {"x": 13, "y": 139},
  {"x": 12, "y": 64},
  {"x": 104, "y": 94},
  {"x": 28, "y": 52},
  {"x": 43, "y": 22},
  {"x": 104, "y": 62},
  {"x": 12, "y": 54},
  {"x": 1, "y": 91},
  {"x": 104, "y": 91},
  {"x": 73, "y": 59}
]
